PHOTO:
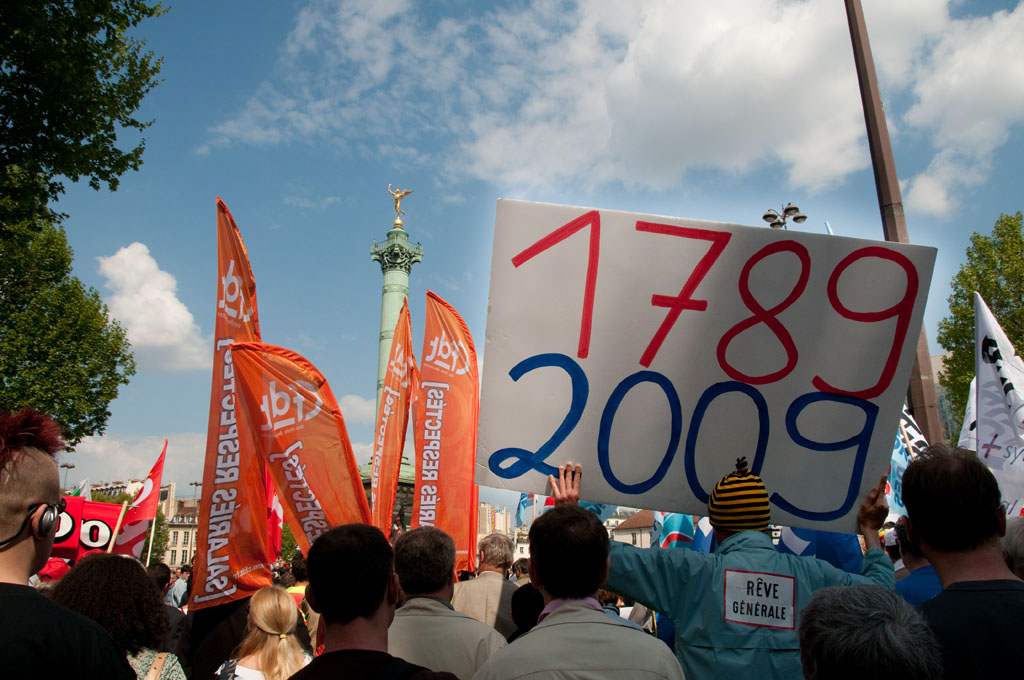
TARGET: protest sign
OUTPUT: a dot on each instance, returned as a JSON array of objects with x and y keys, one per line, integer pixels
[{"x": 656, "y": 351}]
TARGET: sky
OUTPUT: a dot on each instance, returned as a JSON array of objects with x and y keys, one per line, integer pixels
[{"x": 299, "y": 114}]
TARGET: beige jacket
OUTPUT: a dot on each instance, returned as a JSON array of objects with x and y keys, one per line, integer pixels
[
  {"x": 428, "y": 633},
  {"x": 576, "y": 642},
  {"x": 487, "y": 598}
]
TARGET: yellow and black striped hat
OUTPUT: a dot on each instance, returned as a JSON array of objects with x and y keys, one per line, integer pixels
[{"x": 739, "y": 502}]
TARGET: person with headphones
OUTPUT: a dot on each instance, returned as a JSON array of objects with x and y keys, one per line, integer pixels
[{"x": 40, "y": 638}]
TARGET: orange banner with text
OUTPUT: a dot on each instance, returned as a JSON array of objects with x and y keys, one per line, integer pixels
[
  {"x": 392, "y": 419},
  {"x": 233, "y": 554},
  {"x": 288, "y": 412},
  {"x": 447, "y": 405}
]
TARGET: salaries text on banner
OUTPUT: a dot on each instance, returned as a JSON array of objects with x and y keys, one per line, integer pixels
[
  {"x": 233, "y": 554},
  {"x": 287, "y": 411},
  {"x": 389, "y": 435},
  {"x": 655, "y": 351},
  {"x": 447, "y": 406}
]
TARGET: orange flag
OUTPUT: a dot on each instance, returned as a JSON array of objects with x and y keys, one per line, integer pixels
[
  {"x": 233, "y": 555},
  {"x": 288, "y": 412},
  {"x": 447, "y": 409},
  {"x": 391, "y": 424}
]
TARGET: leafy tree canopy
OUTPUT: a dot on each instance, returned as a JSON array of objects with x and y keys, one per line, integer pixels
[
  {"x": 60, "y": 352},
  {"x": 71, "y": 78},
  {"x": 288, "y": 544},
  {"x": 995, "y": 268}
]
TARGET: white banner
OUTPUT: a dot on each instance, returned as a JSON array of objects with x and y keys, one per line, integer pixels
[
  {"x": 999, "y": 379},
  {"x": 656, "y": 351}
]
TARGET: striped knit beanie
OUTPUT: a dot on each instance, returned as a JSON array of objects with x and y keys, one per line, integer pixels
[{"x": 739, "y": 502}]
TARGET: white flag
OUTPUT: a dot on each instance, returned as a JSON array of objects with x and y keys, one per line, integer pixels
[
  {"x": 999, "y": 378},
  {"x": 969, "y": 430}
]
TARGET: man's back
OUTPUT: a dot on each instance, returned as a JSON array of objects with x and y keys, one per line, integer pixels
[
  {"x": 429, "y": 633},
  {"x": 363, "y": 664},
  {"x": 41, "y": 639},
  {"x": 978, "y": 624},
  {"x": 577, "y": 642},
  {"x": 487, "y": 598}
]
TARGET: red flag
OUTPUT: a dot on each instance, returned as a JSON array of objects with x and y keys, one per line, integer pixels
[
  {"x": 233, "y": 553},
  {"x": 389, "y": 435},
  {"x": 287, "y": 411},
  {"x": 447, "y": 409},
  {"x": 84, "y": 526},
  {"x": 142, "y": 511}
]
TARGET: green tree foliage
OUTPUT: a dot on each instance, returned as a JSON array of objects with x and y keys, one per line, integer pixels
[
  {"x": 71, "y": 78},
  {"x": 160, "y": 538},
  {"x": 288, "y": 544},
  {"x": 994, "y": 268},
  {"x": 60, "y": 352}
]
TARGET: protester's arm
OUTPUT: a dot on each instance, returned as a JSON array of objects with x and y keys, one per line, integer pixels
[
  {"x": 872, "y": 514},
  {"x": 566, "y": 489}
]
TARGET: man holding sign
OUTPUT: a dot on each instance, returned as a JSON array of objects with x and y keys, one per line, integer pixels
[{"x": 735, "y": 610}]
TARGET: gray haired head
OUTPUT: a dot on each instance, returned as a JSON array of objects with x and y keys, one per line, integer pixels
[{"x": 866, "y": 631}]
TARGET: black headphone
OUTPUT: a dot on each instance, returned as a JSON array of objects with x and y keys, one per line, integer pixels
[{"x": 47, "y": 522}]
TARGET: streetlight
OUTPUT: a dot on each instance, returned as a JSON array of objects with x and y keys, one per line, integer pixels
[
  {"x": 66, "y": 466},
  {"x": 777, "y": 220},
  {"x": 195, "y": 487}
]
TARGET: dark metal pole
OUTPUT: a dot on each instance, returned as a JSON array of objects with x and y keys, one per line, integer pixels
[{"x": 924, "y": 400}]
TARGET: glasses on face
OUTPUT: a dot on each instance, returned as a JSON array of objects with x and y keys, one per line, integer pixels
[{"x": 48, "y": 520}]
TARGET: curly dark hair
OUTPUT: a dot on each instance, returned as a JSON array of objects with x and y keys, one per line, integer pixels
[{"x": 116, "y": 592}]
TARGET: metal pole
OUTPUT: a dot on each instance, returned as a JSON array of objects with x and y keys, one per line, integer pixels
[
  {"x": 152, "y": 532},
  {"x": 924, "y": 401}
]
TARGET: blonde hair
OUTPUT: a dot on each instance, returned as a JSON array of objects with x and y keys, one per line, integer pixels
[{"x": 273, "y": 615}]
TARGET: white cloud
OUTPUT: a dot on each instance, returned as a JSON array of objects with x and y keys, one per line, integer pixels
[
  {"x": 163, "y": 333},
  {"x": 358, "y": 409},
  {"x": 311, "y": 203},
  {"x": 114, "y": 457},
  {"x": 644, "y": 94}
]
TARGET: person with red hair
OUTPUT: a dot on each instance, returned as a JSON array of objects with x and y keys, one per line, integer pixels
[{"x": 40, "y": 638}]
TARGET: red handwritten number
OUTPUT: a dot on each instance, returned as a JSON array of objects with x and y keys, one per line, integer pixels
[
  {"x": 767, "y": 317},
  {"x": 677, "y": 304},
  {"x": 902, "y": 310},
  {"x": 593, "y": 219}
]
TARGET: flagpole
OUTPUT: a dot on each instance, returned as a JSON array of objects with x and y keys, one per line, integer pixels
[
  {"x": 117, "y": 527},
  {"x": 152, "y": 532}
]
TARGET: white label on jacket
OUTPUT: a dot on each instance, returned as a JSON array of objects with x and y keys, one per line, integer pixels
[{"x": 758, "y": 599}]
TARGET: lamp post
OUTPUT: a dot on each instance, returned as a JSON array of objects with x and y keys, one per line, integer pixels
[
  {"x": 66, "y": 466},
  {"x": 777, "y": 220}
]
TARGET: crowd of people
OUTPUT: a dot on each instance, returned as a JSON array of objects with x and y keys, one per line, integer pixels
[{"x": 939, "y": 595}]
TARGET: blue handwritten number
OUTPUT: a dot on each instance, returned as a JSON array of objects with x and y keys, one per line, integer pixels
[
  {"x": 529, "y": 460},
  {"x": 612, "y": 407},
  {"x": 861, "y": 440},
  {"x": 709, "y": 395}
]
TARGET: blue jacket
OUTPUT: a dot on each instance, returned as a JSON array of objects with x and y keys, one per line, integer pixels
[{"x": 736, "y": 611}]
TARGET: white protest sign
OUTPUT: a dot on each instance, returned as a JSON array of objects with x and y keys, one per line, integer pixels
[{"x": 656, "y": 351}]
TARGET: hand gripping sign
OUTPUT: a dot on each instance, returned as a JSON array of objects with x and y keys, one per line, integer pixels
[{"x": 658, "y": 350}]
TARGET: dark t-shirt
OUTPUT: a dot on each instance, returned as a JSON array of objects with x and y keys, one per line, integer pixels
[
  {"x": 361, "y": 664},
  {"x": 41, "y": 639},
  {"x": 978, "y": 626}
]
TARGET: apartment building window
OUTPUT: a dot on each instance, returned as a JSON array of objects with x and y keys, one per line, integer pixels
[
  {"x": 634, "y": 537},
  {"x": 174, "y": 557},
  {"x": 174, "y": 540},
  {"x": 184, "y": 538}
]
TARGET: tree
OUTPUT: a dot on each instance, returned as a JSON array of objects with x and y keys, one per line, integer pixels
[
  {"x": 995, "y": 269},
  {"x": 160, "y": 537},
  {"x": 288, "y": 544},
  {"x": 60, "y": 352},
  {"x": 71, "y": 78}
]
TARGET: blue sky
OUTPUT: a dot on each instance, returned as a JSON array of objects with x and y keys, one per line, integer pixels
[{"x": 299, "y": 115}]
